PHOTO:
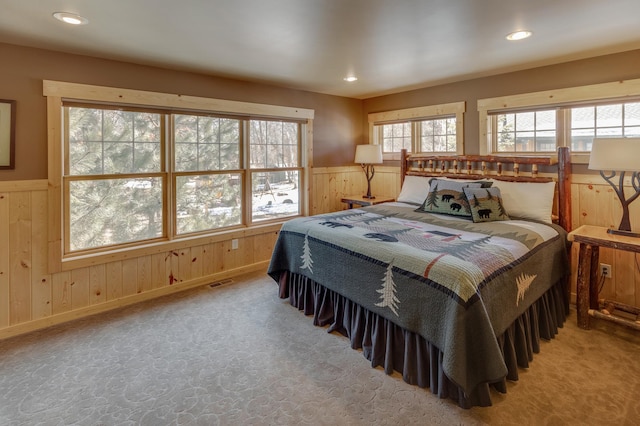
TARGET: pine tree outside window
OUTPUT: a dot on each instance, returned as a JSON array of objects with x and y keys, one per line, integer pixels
[
  {"x": 436, "y": 129},
  {"x": 132, "y": 176}
]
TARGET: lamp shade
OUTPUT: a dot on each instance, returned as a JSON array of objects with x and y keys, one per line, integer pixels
[
  {"x": 615, "y": 154},
  {"x": 368, "y": 154}
]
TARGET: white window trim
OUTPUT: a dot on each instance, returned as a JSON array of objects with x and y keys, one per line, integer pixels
[
  {"x": 551, "y": 98},
  {"x": 56, "y": 92},
  {"x": 425, "y": 112}
]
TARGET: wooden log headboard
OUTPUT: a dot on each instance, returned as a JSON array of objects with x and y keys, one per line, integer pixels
[{"x": 509, "y": 168}]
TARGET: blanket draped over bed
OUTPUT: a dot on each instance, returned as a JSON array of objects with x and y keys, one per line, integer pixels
[{"x": 458, "y": 287}]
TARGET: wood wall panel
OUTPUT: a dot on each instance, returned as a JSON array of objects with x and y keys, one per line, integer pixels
[
  {"x": 114, "y": 280},
  {"x": 97, "y": 284},
  {"x": 143, "y": 280},
  {"x": 40, "y": 277},
  {"x": 4, "y": 259},
  {"x": 19, "y": 257},
  {"x": 129, "y": 277},
  {"x": 80, "y": 288},
  {"x": 31, "y": 297},
  {"x": 61, "y": 292},
  {"x": 331, "y": 184}
]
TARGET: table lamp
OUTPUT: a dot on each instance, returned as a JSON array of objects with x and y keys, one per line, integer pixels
[
  {"x": 618, "y": 155},
  {"x": 367, "y": 156}
]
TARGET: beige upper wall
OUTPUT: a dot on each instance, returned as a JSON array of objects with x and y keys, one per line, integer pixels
[
  {"x": 622, "y": 66},
  {"x": 337, "y": 122}
]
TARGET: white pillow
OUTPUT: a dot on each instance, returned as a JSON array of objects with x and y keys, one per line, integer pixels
[
  {"x": 527, "y": 200},
  {"x": 414, "y": 189}
]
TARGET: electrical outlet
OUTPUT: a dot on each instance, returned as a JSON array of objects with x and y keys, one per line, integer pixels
[
  {"x": 605, "y": 270},
  {"x": 234, "y": 244}
]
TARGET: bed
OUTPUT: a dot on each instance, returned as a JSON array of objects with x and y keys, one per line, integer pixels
[{"x": 454, "y": 284}]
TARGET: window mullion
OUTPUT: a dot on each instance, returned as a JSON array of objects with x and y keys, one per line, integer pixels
[
  {"x": 416, "y": 136},
  {"x": 493, "y": 131},
  {"x": 247, "y": 180},
  {"x": 563, "y": 126},
  {"x": 167, "y": 142}
]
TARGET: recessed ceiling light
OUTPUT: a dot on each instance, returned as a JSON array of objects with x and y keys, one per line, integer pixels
[
  {"x": 350, "y": 78},
  {"x": 70, "y": 18},
  {"x": 519, "y": 35}
]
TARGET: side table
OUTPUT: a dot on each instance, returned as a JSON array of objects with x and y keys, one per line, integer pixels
[
  {"x": 360, "y": 200},
  {"x": 591, "y": 238}
]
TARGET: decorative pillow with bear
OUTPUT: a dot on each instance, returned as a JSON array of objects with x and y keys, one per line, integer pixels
[
  {"x": 415, "y": 188},
  {"x": 485, "y": 204},
  {"x": 447, "y": 197}
]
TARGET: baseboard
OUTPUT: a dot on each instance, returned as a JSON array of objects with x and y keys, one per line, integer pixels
[{"x": 49, "y": 321}]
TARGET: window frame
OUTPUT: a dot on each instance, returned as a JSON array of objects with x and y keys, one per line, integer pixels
[
  {"x": 624, "y": 91},
  {"x": 57, "y": 93},
  {"x": 415, "y": 115}
]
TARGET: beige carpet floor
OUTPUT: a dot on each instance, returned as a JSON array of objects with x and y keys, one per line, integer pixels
[{"x": 238, "y": 355}]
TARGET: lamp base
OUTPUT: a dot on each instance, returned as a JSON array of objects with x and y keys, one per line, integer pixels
[
  {"x": 368, "y": 197},
  {"x": 625, "y": 233}
]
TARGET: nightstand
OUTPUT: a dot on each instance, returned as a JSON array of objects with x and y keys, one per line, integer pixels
[
  {"x": 360, "y": 200},
  {"x": 591, "y": 238}
]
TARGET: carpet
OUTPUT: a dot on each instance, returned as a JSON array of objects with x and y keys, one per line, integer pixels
[{"x": 238, "y": 355}]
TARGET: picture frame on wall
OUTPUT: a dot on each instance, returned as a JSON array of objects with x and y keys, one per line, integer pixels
[{"x": 7, "y": 134}]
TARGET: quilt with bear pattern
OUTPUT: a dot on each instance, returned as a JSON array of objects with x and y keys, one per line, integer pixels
[{"x": 457, "y": 283}]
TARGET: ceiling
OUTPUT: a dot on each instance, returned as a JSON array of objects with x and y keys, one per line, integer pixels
[{"x": 390, "y": 45}]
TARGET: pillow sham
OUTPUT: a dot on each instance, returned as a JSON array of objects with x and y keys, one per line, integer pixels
[
  {"x": 485, "y": 204},
  {"x": 527, "y": 200},
  {"x": 414, "y": 189},
  {"x": 447, "y": 197}
]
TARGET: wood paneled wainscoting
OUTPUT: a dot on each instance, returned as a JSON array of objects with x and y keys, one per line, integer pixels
[
  {"x": 31, "y": 298},
  {"x": 330, "y": 184}
]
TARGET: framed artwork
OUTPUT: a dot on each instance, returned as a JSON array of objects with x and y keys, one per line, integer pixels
[{"x": 7, "y": 134}]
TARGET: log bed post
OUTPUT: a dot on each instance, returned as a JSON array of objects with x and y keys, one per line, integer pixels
[
  {"x": 403, "y": 166},
  {"x": 564, "y": 187}
]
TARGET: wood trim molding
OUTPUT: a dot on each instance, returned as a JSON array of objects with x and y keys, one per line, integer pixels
[
  {"x": 85, "y": 92},
  {"x": 23, "y": 185},
  {"x": 418, "y": 112}
]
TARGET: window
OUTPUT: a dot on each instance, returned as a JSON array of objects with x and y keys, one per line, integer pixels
[
  {"x": 207, "y": 168},
  {"x": 275, "y": 172},
  {"x": 533, "y": 131},
  {"x": 395, "y": 136},
  {"x": 529, "y": 123},
  {"x": 609, "y": 120},
  {"x": 438, "y": 135},
  {"x": 132, "y": 175},
  {"x": 113, "y": 177},
  {"x": 436, "y": 129}
]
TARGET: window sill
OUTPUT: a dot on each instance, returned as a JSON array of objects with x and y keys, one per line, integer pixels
[{"x": 82, "y": 261}]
